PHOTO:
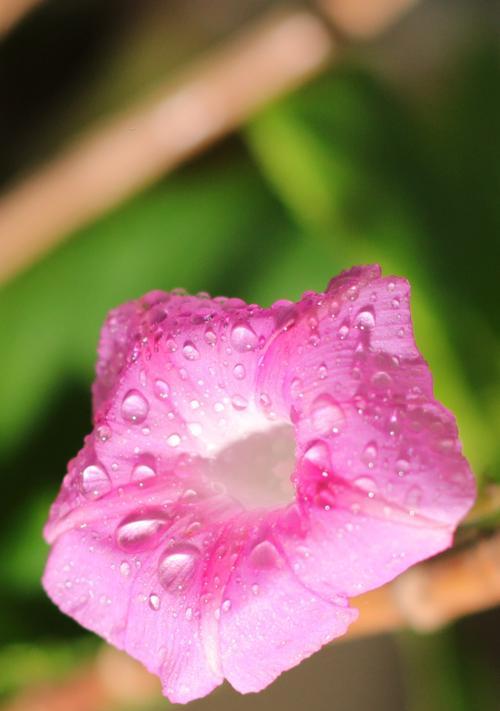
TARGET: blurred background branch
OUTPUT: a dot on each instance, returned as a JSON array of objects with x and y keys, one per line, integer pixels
[
  {"x": 12, "y": 11},
  {"x": 204, "y": 103}
]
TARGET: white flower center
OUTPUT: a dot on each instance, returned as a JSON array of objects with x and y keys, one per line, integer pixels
[{"x": 256, "y": 469}]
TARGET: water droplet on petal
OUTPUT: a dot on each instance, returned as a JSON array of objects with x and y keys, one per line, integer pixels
[
  {"x": 141, "y": 529},
  {"x": 189, "y": 351},
  {"x": 177, "y": 565},
  {"x": 125, "y": 568},
  {"x": 161, "y": 389},
  {"x": 135, "y": 407},
  {"x": 174, "y": 440},
  {"x": 265, "y": 556},
  {"x": 210, "y": 337},
  {"x": 326, "y": 414},
  {"x": 370, "y": 454},
  {"x": 195, "y": 428},
  {"x": 343, "y": 332},
  {"x": 381, "y": 379},
  {"x": 243, "y": 337},
  {"x": 239, "y": 402},
  {"x": 239, "y": 371},
  {"x": 142, "y": 471},
  {"x": 94, "y": 481},
  {"x": 367, "y": 484},
  {"x": 104, "y": 433},
  {"x": 365, "y": 320},
  {"x": 154, "y": 602},
  {"x": 226, "y": 605},
  {"x": 318, "y": 454},
  {"x": 402, "y": 466}
]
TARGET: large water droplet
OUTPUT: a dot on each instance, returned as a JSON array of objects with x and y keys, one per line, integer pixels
[
  {"x": 210, "y": 337},
  {"x": 326, "y": 414},
  {"x": 239, "y": 371},
  {"x": 381, "y": 379},
  {"x": 189, "y": 351},
  {"x": 239, "y": 402},
  {"x": 154, "y": 601},
  {"x": 135, "y": 407},
  {"x": 177, "y": 565},
  {"x": 369, "y": 455},
  {"x": 174, "y": 440},
  {"x": 343, "y": 331},
  {"x": 367, "y": 484},
  {"x": 161, "y": 389},
  {"x": 318, "y": 454},
  {"x": 243, "y": 337},
  {"x": 141, "y": 529},
  {"x": 265, "y": 556},
  {"x": 365, "y": 320},
  {"x": 94, "y": 481},
  {"x": 142, "y": 471}
]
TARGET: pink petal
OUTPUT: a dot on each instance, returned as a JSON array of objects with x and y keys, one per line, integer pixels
[{"x": 177, "y": 534}]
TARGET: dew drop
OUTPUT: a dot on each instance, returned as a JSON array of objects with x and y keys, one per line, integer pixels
[
  {"x": 174, "y": 440},
  {"x": 142, "y": 471},
  {"x": 177, "y": 565},
  {"x": 243, "y": 337},
  {"x": 141, "y": 529},
  {"x": 381, "y": 379},
  {"x": 94, "y": 481},
  {"x": 369, "y": 455},
  {"x": 239, "y": 371},
  {"x": 135, "y": 407},
  {"x": 125, "y": 568},
  {"x": 318, "y": 454},
  {"x": 189, "y": 351},
  {"x": 210, "y": 337},
  {"x": 367, "y": 484},
  {"x": 161, "y": 389},
  {"x": 226, "y": 605},
  {"x": 343, "y": 332},
  {"x": 365, "y": 320},
  {"x": 402, "y": 466},
  {"x": 189, "y": 613},
  {"x": 326, "y": 414},
  {"x": 239, "y": 402},
  {"x": 265, "y": 556},
  {"x": 103, "y": 433},
  {"x": 195, "y": 428},
  {"x": 154, "y": 602}
]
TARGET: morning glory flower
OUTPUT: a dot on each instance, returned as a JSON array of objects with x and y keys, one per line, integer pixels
[{"x": 250, "y": 470}]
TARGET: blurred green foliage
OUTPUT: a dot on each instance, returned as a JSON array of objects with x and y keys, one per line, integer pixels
[{"x": 344, "y": 171}]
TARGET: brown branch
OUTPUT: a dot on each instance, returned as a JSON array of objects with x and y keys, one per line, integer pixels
[
  {"x": 11, "y": 11},
  {"x": 133, "y": 149}
]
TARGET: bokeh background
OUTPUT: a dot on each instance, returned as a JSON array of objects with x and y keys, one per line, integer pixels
[{"x": 388, "y": 151}]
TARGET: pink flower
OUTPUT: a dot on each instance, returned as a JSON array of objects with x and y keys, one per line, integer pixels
[{"x": 249, "y": 470}]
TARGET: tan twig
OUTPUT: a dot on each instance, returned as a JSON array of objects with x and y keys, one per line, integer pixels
[
  {"x": 11, "y": 11},
  {"x": 131, "y": 150}
]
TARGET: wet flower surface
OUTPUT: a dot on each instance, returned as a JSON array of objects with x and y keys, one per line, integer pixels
[{"x": 249, "y": 470}]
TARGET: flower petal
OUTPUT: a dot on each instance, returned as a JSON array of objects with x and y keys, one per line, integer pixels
[{"x": 168, "y": 542}]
